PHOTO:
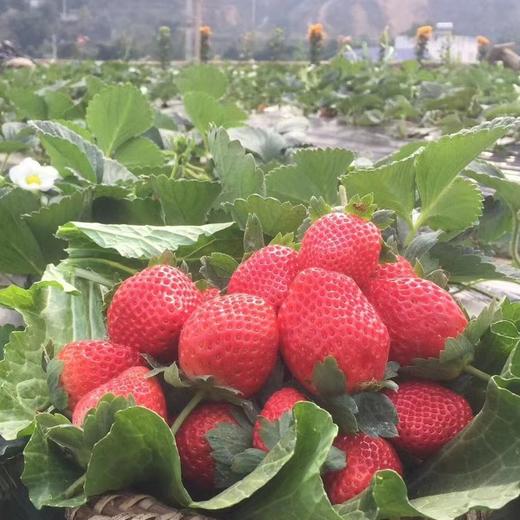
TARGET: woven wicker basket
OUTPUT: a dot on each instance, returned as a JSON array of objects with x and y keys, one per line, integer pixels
[
  {"x": 130, "y": 507},
  {"x": 125, "y": 506}
]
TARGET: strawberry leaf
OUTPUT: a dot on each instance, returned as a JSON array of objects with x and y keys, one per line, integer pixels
[
  {"x": 253, "y": 234},
  {"x": 234, "y": 168},
  {"x": 450, "y": 202},
  {"x": 392, "y": 185},
  {"x": 49, "y": 476},
  {"x": 58, "y": 397},
  {"x": 314, "y": 173},
  {"x": 275, "y": 216}
]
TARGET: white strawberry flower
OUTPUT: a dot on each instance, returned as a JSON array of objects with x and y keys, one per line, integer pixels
[{"x": 31, "y": 175}]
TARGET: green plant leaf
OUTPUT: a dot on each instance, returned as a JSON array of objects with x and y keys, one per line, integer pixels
[
  {"x": 116, "y": 115},
  {"x": 184, "y": 201},
  {"x": 275, "y": 216},
  {"x": 140, "y": 242},
  {"x": 139, "y": 152},
  {"x": 235, "y": 169},
  {"x": 138, "y": 450},
  {"x": 45, "y": 221},
  {"x": 5, "y": 332},
  {"x": 114, "y": 172},
  {"x": 48, "y": 475},
  {"x": 465, "y": 265},
  {"x": 57, "y": 395},
  {"x": 21, "y": 253},
  {"x": 60, "y": 106},
  {"x": 297, "y": 490},
  {"x": 449, "y": 202},
  {"x": 54, "y": 315},
  {"x": 67, "y": 149},
  {"x": 385, "y": 498},
  {"x": 314, "y": 173},
  {"x": 266, "y": 144},
  {"x": 202, "y": 78},
  {"x": 204, "y": 110},
  {"x": 28, "y": 104},
  {"x": 393, "y": 185},
  {"x": 253, "y": 235},
  {"x": 23, "y": 390}
]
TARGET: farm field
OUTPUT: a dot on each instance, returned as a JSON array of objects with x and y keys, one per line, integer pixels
[{"x": 222, "y": 285}]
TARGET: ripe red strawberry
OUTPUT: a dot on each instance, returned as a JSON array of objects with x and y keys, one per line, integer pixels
[
  {"x": 394, "y": 269},
  {"x": 419, "y": 315},
  {"x": 134, "y": 382},
  {"x": 365, "y": 456},
  {"x": 233, "y": 338},
  {"x": 429, "y": 416},
  {"x": 208, "y": 294},
  {"x": 280, "y": 402},
  {"x": 149, "y": 309},
  {"x": 326, "y": 314},
  {"x": 344, "y": 243},
  {"x": 266, "y": 273},
  {"x": 198, "y": 466},
  {"x": 91, "y": 363}
]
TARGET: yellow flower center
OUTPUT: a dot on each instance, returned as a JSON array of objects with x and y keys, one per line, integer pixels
[{"x": 33, "y": 179}]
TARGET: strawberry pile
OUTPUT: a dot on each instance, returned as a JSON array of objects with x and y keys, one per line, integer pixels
[{"x": 331, "y": 301}]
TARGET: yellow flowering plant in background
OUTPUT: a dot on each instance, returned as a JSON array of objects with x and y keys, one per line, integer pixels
[
  {"x": 205, "y": 35},
  {"x": 423, "y": 35},
  {"x": 316, "y": 35}
]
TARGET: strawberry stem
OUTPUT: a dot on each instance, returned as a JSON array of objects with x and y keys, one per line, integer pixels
[
  {"x": 75, "y": 487},
  {"x": 195, "y": 400},
  {"x": 470, "y": 369},
  {"x": 343, "y": 199}
]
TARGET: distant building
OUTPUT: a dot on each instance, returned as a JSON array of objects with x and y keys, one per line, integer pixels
[{"x": 462, "y": 49}]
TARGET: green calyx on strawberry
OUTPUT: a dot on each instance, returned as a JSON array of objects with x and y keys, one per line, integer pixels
[
  {"x": 215, "y": 446},
  {"x": 368, "y": 411}
]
